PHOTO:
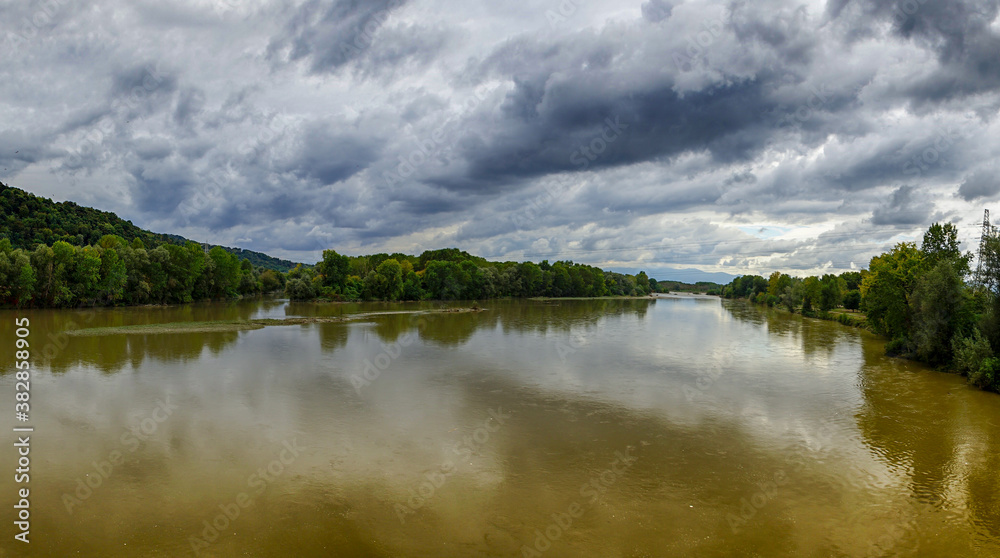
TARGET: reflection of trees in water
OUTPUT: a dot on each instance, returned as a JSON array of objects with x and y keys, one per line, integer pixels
[
  {"x": 541, "y": 316},
  {"x": 816, "y": 336},
  {"x": 111, "y": 353},
  {"x": 332, "y": 336},
  {"x": 50, "y": 347},
  {"x": 944, "y": 437},
  {"x": 555, "y": 443}
]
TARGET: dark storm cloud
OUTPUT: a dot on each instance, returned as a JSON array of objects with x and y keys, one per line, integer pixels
[
  {"x": 657, "y": 10},
  {"x": 959, "y": 32},
  {"x": 159, "y": 186},
  {"x": 905, "y": 207},
  {"x": 655, "y": 131},
  {"x": 982, "y": 184},
  {"x": 328, "y": 156},
  {"x": 331, "y": 34},
  {"x": 190, "y": 103}
]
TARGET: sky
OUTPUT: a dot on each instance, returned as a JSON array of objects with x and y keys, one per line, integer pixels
[{"x": 734, "y": 137}]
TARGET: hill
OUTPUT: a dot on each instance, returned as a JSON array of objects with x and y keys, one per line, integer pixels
[{"x": 28, "y": 220}]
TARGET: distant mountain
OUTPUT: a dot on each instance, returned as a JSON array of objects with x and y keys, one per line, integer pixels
[
  {"x": 29, "y": 220},
  {"x": 686, "y": 275}
]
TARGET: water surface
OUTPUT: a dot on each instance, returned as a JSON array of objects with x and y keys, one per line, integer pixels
[{"x": 603, "y": 428}]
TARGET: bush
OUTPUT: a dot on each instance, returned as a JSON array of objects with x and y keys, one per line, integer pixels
[
  {"x": 970, "y": 352},
  {"x": 987, "y": 375},
  {"x": 299, "y": 289},
  {"x": 897, "y": 347},
  {"x": 852, "y": 300}
]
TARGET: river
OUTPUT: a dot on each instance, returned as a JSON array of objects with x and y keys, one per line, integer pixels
[{"x": 684, "y": 426}]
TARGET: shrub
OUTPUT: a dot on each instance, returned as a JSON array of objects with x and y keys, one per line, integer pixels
[
  {"x": 970, "y": 352},
  {"x": 897, "y": 347},
  {"x": 299, "y": 289},
  {"x": 987, "y": 375}
]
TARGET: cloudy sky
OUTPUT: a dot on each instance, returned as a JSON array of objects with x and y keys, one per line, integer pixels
[{"x": 725, "y": 136}]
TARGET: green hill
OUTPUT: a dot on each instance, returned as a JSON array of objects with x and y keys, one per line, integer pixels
[{"x": 28, "y": 220}]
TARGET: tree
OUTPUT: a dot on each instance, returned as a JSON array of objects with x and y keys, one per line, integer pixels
[
  {"x": 941, "y": 243},
  {"x": 269, "y": 281},
  {"x": 831, "y": 292},
  {"x": 887, "y": 287},
  {"x": 299, "y": 288},
  {"x": 940, "y": 308},
  {"x": 386, "y": 282},
  {"x": 334, "y": 269},
  {"x": 17, "y": 278},
  {"x": 810, "y": 292},
  {"x": 777, "y": 283},
  {"x": 642, "y": 283},
  {"x": 852, "y": 280},
  {"x": 852, "y": 300},
  {"x": 112, "y": 275}
]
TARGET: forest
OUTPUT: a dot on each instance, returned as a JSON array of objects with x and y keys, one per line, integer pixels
[
  {"x": 28, "y": 220},
  {"x": 922, "y": 299},
  {"x": 116, "y": 272}
]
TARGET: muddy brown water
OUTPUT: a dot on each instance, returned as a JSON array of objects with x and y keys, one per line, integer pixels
[{"x": 601, "y": 428}]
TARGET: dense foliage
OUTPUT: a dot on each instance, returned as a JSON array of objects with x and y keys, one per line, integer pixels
[
  {"x": 917, "y": 297},
  {"x": 452, "y": 274},
  {"x": 115, "y": 272},
  {"x": 27, "y": 220}
]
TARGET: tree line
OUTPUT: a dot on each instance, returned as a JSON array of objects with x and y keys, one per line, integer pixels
[
  {"x": 452, "y": 274},
  {"x": 115, "y": 272},
  {"x": 920, "y": 298}
]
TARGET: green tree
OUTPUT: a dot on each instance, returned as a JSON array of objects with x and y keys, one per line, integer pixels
[
  {"x": 886, "y": 289},
  {"x": 17, "y": 278},
  {"x": 269, "y": 281},
  {"x": 334, "y": 269},
  {"x": 852, "y": 300},
  {"x": 299, "y": 288},
  {"x": 811, "y": 289},
  {"x": 386, "y": 281},
  {"x": 941, "y": 308},
  {"x": 777, "y": 283},
  {"x": 941, "y": 243},
  {"x": 831, "y": 292}
]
